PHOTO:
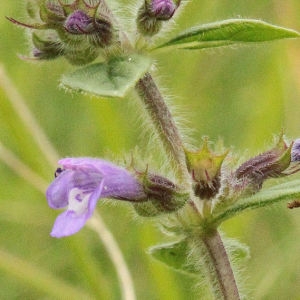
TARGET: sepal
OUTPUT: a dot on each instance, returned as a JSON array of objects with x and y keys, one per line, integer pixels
[
  {"x": 162, "y": 194},
  {"x": 205, "y": 168}
]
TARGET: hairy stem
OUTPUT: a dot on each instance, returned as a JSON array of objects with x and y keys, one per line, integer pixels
[
  {"x": 218, "y": 265},
  {"x": 164, "y": 124}
]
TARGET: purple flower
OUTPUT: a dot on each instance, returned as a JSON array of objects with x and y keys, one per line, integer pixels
[
  {"x": 163, "y": 9},
  {"x": 78, "y": 186}
]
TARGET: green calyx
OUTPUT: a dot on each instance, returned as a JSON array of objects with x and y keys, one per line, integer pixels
[
  {"x": 47, "y": 46},
  {"x": 147, "y": 25},
  {"x": 163, "y": 196},
  {"x": 205, "y": 168}
]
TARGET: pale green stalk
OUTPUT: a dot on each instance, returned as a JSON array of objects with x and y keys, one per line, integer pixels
[
  {"x": 40, "y": 184},
  {"x": 21, "y": 169},
  {"x": 28, "y": 119},
  {"x": 96, "y": 224}
]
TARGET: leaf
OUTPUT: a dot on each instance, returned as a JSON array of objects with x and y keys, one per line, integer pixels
[
  {"x": 174, "y": 255},
  {"x": 236, "y": 250},
  {"x": 229, "y": 32},
  {"x": 284, "y": 192},
  {"x": 108, "y": 79},
  {"x": 178, "y": 256}
]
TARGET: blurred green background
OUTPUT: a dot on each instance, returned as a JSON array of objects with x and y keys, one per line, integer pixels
[{"x": 242, "y": 94}]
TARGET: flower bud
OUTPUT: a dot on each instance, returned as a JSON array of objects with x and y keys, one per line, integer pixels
[
  {"x": 78, "y": 22},
  {"x": 152, "y": 13},
  {"x": 269, "y": 164},
  {"x": 47, "y": 47},
  {"x": 147, "y": 25},
  {"x": 98, "y": 30},
  {"x": 205, "y": 167},
  {"x": 32, "y": 9},
  {"x": 52, "y": 14},
  {"x": 162, "y": 9}
]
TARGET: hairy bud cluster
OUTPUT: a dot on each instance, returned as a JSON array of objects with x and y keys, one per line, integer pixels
[
  {"x": 152, "y": 13},
  {"x": 76, "y": 31},
  {"x": 211, "y": 181}
]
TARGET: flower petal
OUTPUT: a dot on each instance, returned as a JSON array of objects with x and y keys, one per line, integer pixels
[
  {"x": 123, "y": 186},
  {"x": 58, "y": 192},
  {"x": 119, "y": 183},
  {"x": 70, "y": 221}
]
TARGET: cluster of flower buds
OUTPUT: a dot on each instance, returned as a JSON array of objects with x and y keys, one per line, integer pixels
[
  {"x": 206, "y": 169},
  {"x": 76, "y": 31},
  {"x": 81, "y": 182},
  {"x": 153, "y": 12}
]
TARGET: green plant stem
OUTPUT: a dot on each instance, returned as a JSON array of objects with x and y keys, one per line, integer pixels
[
  {"x": 218, "y": 265},
  {"x": 164, "y": 124},
  {"x": 219, "y": 269}
]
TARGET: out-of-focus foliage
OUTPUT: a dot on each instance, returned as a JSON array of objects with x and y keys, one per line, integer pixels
[{"x": 243, "y": 95}]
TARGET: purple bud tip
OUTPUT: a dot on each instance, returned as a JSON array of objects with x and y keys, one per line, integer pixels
[
  {"x": 296, "y": 151},
  {"x": 163, "y": 9},
  {"x": 77, "y": 22},
  {"x": 37, "y": 53}
]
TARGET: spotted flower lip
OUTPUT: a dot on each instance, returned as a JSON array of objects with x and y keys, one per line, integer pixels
[{"x": 80, "y": 183}]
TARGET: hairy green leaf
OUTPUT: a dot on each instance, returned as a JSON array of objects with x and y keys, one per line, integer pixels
[
  {"x": 108, "y": 79},
  {"x": 174, "y": 255},
  {"x": 178, "y": 255},
  {"x": 285, "y": 192},
  {"x": 229, "y": 32}
]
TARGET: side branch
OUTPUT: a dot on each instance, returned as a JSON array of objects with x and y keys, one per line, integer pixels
[{"x": 164, "y": 123}]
